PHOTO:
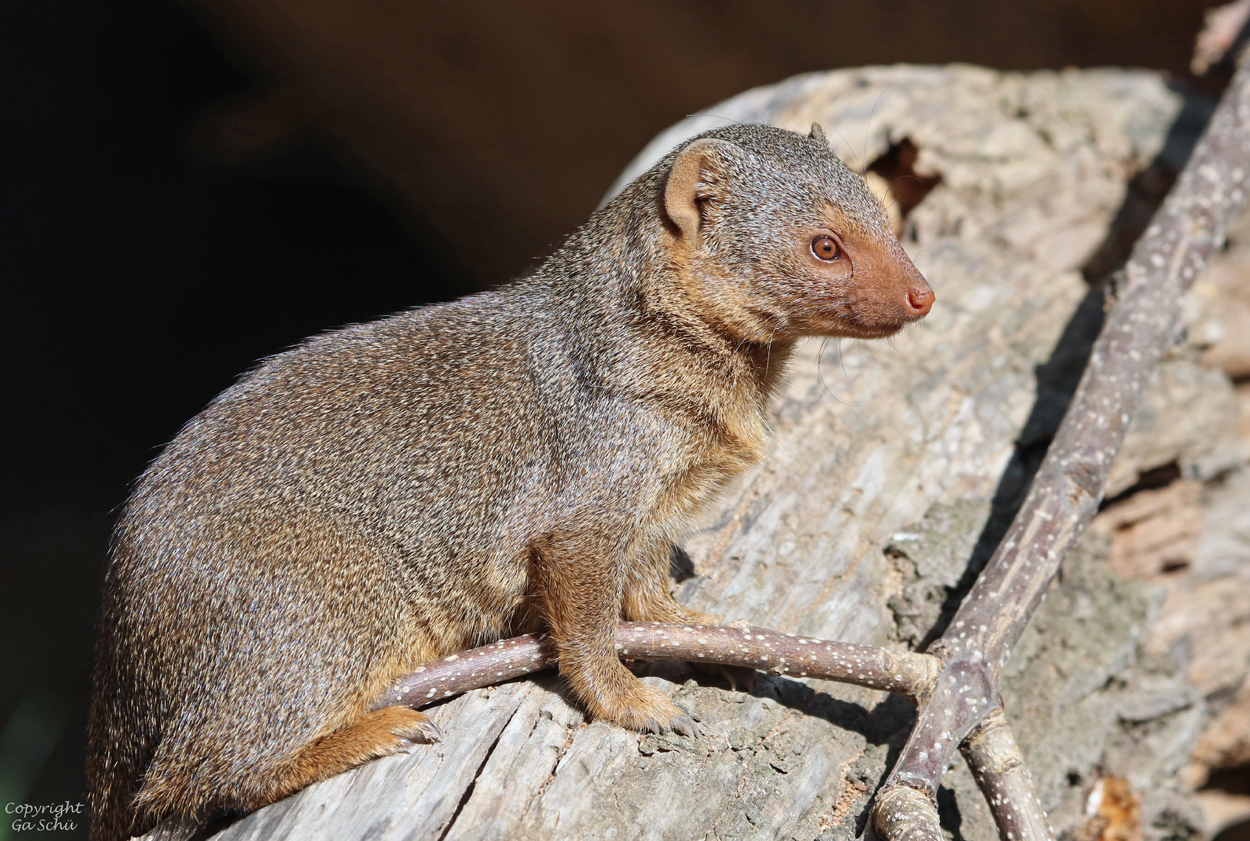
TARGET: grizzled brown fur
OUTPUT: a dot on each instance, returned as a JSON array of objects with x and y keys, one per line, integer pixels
[{"x": 395, "y": 491}]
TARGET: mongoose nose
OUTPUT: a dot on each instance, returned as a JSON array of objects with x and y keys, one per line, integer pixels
[{"x": 919, "y": 302}]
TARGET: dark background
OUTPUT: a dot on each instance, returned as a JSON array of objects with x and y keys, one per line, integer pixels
[{"x": 185, "y": 188}]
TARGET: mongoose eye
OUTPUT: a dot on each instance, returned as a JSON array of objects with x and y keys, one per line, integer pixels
[{"x": 826, "y": 248}]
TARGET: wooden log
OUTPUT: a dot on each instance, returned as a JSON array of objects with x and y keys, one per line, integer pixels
[{"x": 891, "y": 464}]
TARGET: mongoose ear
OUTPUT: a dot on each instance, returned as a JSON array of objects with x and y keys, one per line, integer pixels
[
  {"x": 818, "y": 133},
  {"x": 697, "y": 176}
]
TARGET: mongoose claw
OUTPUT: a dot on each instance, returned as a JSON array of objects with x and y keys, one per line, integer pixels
[
  {"x": 413, "y": 728},
  {"x": 682, "y": 724},
  {"x": 431, "y": 731},
  {"x": 687, "y": 726}
]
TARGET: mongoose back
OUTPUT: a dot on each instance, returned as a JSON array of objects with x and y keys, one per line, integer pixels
[{"x": 521, "y": 459}]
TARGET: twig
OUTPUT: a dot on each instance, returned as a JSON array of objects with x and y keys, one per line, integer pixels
[
  {"x": 730, "y": 645},
  {"x": 999, "y": 769},
  {"x": 907, "y": 813},
  {"x": 1069, "y": 484}
]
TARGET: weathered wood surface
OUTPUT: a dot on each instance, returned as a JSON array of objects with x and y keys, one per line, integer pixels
[{"x": 887, "y": 458}]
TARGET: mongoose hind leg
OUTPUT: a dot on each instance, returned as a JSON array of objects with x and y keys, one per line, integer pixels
[
  {"x": 650, "y": 601},
  {"x": 375, "y": 734}
]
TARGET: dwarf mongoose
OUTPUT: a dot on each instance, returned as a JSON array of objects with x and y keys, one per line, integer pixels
[{"x": 524, "y": 458}]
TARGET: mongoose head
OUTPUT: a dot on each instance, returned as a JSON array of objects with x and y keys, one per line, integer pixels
[{"x": 778, "y": 238}]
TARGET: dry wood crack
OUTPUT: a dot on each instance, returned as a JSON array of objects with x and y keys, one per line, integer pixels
[{"x": 957, "y": 683}]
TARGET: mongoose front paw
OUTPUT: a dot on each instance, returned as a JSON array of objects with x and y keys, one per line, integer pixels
[{"x": 648, "y": 710}]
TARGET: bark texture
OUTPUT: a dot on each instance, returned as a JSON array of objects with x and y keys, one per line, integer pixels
[{"x": 895, "y": 469}]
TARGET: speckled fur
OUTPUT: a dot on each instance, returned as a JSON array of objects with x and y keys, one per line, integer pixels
[{"x": 399, "y": 490}]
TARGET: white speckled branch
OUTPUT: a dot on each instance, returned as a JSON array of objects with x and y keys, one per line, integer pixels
[
  {"x": 729, "y": 645},
  {"x": 907, "y": 813},
  {"x": 1069, "y": 484},
  {"x": 999, "y": 769}
]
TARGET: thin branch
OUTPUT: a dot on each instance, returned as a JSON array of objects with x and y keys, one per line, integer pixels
[
  {"x": 1141, "y": 326},
  {"x": 469, "y": 670},
  {"x": 906, "y": 813},
  {"x": 1069, "y": 484},
  {"x": 999, "y": 769},
  {"x": 730, "y": 645}
]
